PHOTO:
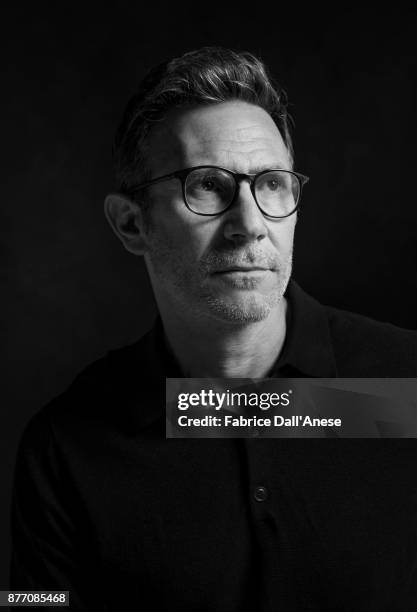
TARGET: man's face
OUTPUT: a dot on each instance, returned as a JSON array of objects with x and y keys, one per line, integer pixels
[{"x": 234, "y": 267}]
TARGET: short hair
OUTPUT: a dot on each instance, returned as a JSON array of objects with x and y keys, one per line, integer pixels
[{"x": 209, "y": 75}]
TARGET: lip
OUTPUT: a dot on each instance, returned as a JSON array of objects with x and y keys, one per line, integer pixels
[{"x": 241, "y": 269}]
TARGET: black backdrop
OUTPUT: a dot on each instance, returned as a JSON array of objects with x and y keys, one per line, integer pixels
[{"x": 70, "y": 292}]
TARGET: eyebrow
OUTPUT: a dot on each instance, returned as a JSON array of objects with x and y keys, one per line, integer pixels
[{"x": 277, "y": 165}]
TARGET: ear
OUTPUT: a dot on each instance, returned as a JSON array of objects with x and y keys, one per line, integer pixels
[{"x": 126, "y": 220}]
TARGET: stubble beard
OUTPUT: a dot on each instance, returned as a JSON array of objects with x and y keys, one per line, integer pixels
[
  {"x": 188, "y": 291},
  {"x": 253, "y": 306}
]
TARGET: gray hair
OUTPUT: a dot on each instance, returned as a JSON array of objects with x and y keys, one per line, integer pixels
[{"x": 209, "y": 75}]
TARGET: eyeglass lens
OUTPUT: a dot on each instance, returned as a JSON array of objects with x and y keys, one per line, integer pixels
[{"x": 211, "y": 190}]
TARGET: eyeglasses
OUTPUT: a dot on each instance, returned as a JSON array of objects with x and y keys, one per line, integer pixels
[{"x": 210, "y": 190}]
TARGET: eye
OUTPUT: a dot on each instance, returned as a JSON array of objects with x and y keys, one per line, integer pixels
[
  {"x": 273, "y": 184},
  {"x": 209, "y": 184}
]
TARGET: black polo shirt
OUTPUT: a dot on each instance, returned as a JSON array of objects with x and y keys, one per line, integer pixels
[{"x": 105, "y": 507}]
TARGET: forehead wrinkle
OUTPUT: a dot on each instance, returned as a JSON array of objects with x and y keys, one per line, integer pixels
[
  {"x": 242, "y": 162},
  {"x": 239, "y": 155},
  {"x": 229, "y": 144},
  {"x": 238, "y": 135},
  {"x": 247, "y": 132},
  {"x": 246, "y": 145},
  {"x": 199, "y": 142}
]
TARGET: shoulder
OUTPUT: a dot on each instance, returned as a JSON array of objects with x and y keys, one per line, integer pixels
[
  {"x": 98, "y": 401},
  {"x": 371, "y": 347}
]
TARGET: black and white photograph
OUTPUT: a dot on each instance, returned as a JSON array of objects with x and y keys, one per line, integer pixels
[{"x": 201, "y": 200}]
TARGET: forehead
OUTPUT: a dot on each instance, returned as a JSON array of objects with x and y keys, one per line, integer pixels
[{"x": 236, "y": 135}]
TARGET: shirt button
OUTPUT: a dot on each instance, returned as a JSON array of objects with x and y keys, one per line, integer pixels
[{"x": 260, "y": 494}]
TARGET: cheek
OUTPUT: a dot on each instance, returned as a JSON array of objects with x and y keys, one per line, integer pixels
[
  {"x": 282, "y": 236},
  {"x": 176, "y": 244},
  {"x": 186, "y": 233}
]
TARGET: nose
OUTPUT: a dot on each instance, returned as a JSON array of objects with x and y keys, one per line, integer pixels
[{"x": 244, "y": 222}]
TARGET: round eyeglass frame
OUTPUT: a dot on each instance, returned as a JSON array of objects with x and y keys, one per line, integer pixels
[{"x": 238, "y": 177}]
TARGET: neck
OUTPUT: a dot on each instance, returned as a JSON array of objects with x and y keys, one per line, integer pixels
[{"x": 215, "y": 349}]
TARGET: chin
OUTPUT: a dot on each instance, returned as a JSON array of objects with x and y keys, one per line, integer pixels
[{"x": 244, "y": 310}]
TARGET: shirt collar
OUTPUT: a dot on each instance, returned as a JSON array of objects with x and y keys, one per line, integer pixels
[
  {"x": 308, "y": 346},
  {"x": 307, "y": 352}
]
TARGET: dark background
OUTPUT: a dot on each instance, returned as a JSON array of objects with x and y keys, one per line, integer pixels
[{"x": 69, "y": 290}]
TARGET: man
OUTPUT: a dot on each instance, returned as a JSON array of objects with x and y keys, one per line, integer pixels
[{"x": 107, "y": 508}]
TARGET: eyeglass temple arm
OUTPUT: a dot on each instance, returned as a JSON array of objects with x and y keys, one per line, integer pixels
[{"x": 153, "y": 182}]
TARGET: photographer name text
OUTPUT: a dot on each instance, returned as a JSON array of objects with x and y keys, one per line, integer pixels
[{"x": 254, "y": 421}]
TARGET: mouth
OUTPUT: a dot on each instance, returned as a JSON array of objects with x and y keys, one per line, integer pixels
[
  {"x": 241, "y": 269},
  {"x": 242, "y": 277}
]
